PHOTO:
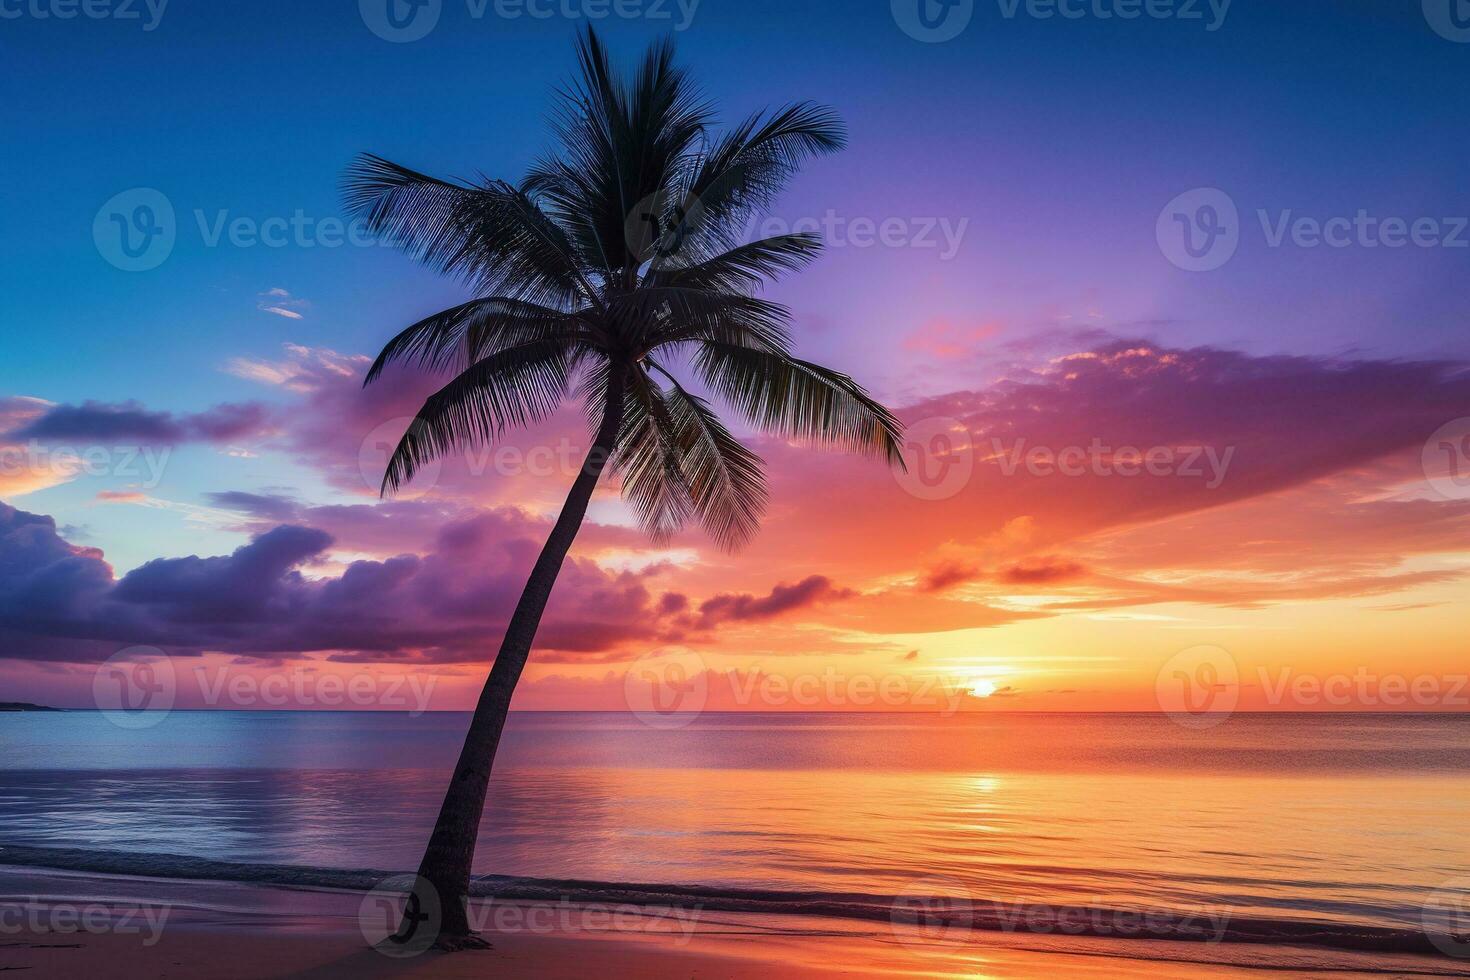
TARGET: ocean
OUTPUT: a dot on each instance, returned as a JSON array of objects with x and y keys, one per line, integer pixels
[{"x": 1349, "y": 828}]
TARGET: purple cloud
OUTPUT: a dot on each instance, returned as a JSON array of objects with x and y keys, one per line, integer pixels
[
  {"x": 130, "y": 422},
  {"x": 745, "y": 607},
  {"x": 59, "y": 602}
]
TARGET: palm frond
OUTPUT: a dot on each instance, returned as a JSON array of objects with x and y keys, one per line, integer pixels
[
  {"x": 621, "y": 146},
  {"x": 471, "y": 331},
  {"x": 744, "y": 267},
  {"x": 794, "y": 398},
  {"x": 654, "y": 484},
  {"x": 493, "y": 236},
  {"x": 725, "y": 481},
  {"x": 512, "y": 387},
  {"x": 749, "y": 166},
  {"x": 656, "y": 316}
]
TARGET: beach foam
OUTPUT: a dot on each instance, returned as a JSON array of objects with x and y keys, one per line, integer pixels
[{"x": 935, "y": 914}]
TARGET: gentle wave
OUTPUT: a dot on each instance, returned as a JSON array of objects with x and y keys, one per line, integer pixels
[{"x": 930, "y": 913}]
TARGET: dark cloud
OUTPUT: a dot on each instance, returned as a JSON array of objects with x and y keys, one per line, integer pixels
[
  {"x": 62, "y": 602},
  {"x": 130, "y": 422},
  {"x": 745, "y": 607},
  {"x": 673, "y": 602},
  {"x": 264, "y": 506},
  {"x": 259, "y": 581},
  {"x": 1033, "y": 571},
  {"x": 946, "y": 575},
  {"x": 386, "y": 527},
  {"x": 1041, "y": 571}
]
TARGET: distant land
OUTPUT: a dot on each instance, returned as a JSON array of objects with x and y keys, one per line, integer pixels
[{"x": 24, "y": 706}]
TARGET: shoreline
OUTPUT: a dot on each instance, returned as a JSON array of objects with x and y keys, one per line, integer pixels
[
  {"x": 116, "y": 925},
  {"x": 932, "y": 913}
]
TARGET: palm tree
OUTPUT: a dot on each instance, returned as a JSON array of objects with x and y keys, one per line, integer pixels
[{"x": 613, "y": 263}]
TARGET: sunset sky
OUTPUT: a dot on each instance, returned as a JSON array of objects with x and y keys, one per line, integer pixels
[{"x": 1113, "y": 460}]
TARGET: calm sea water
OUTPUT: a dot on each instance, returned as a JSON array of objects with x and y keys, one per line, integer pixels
[{"x": 1354, "y": 819}]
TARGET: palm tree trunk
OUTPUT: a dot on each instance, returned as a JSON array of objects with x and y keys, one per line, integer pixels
[{"x": 446, "y": 864}]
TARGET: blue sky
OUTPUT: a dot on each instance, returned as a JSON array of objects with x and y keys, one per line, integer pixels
[{"x": 1058, "y": 140}]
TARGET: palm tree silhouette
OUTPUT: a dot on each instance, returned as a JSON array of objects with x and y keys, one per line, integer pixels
[{"x": 612, "y": 263}]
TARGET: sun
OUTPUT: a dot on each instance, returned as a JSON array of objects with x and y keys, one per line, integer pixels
[{"x": 982, "y": 687}]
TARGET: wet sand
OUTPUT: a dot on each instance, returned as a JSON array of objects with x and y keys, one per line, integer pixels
[{"x": 69, "y": 924}]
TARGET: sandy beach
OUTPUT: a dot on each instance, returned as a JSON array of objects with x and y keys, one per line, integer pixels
[{"x": 59, "y": 923}]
